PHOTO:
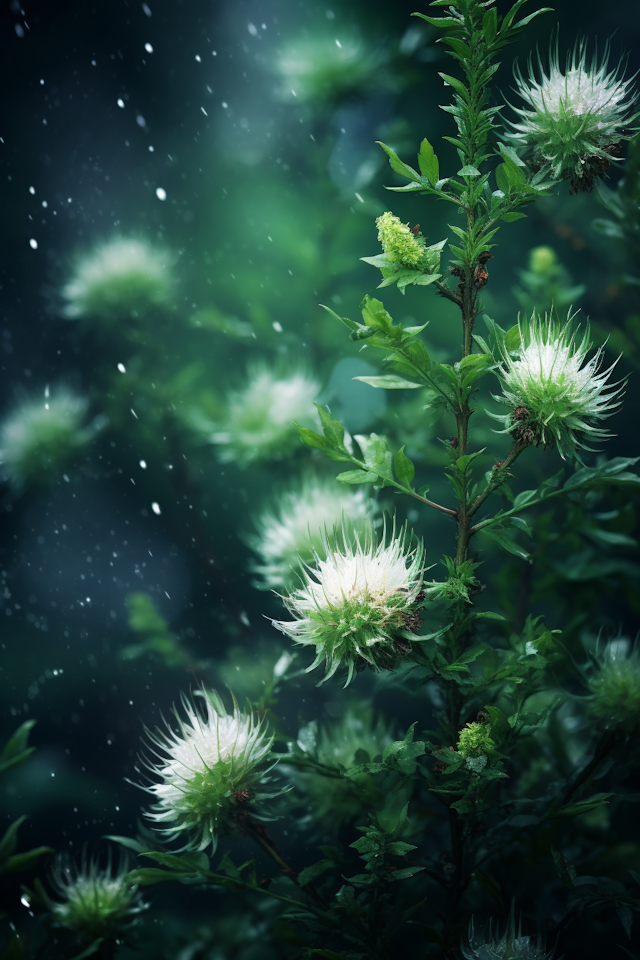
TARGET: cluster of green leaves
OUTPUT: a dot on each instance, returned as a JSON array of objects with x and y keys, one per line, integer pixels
[
  {"x": 15, "y": 752},
  {"x": 395, "y": 273}
]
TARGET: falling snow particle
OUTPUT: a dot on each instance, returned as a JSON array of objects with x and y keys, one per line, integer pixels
[
  {"x": 156, "y": 508},
  {"x": 146, "y": 9},
  {"x": 253, "y": 30},
  {"x": 224, "y": 105},
  {"x": 122, "y": 368},
  {"x": 33, "y": 244},
  {"x": 143, "y": 464},
  {"x": 161, "y": 194},
  {"x": 198, "y": 58},
  {"x": 338, "y": 44},
  {"x": 358, "y": 197},
  {"x": 148, "y": 48},
  {"x": 32, "y": 191},
  {"x": 140, "y": 120},
  {"x": 277, "y": 326}
]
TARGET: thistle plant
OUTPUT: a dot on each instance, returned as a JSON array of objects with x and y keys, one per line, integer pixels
[
  {"x": 96, "y": 902},
  {"x": 211, "y": 773},
  {"x": 574, "y": 121},
  {"x": 42, "y": 436},
  {"x": 439, "y": 828},
  {"x": 258, "y": 422},
  {"x": 358, "y": 606},
  {"x": 118, "y": 279}
]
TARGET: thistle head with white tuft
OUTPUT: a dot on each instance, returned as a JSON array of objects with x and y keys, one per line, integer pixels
[
  {"x": 358, "y": 605},
  {"x": 211, "y": 772},
  {"x": 574, "y": 122},
  {"x": 557, "y": 395},
  {"x": 120, "y": 278},
  {"x": 259, "y": 422},
  {"x": 43, "y": 435},
  {"x": 95, "y": 901},
  {"x": 510, "y": 946}
]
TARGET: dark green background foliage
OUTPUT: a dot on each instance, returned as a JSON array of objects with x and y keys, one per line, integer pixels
[{"x": 109, "y": 610}]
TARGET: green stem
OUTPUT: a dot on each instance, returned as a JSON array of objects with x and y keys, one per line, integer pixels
[{"x": 262, "y": 838}]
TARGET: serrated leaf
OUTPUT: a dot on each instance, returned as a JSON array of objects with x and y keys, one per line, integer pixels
[{"x": 315, "y": 870}]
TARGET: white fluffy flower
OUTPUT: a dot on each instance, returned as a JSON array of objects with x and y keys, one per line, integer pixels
[
  {"x": 41, "y": 436},
  {"x": 259, "y": 420},
  {"x": 358, "y": 605},
  {"x": 290, "y": 534},
  {"x": 211, "y": 772},
  {"x": 120, "y": 278},
  {"x": 575, "y": 120},
  {"x": 96, "y": 901},
  {"x": 556, "y": 395}
]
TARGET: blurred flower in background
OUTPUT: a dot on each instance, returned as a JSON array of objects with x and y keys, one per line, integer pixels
[
  {"x": 42, "y": 435},
  {"x": 96, "y": 902},
  {"x": 293, "y": 531},
  {"x": 122, "y": 277},
  {"x": 260, "y": 419}
]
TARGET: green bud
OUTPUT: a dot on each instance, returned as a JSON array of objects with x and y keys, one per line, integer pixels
[
  {"x": 615, "y": 689},
  {"x": 399, "y": 243},
  {"x": 475, "y": 741}
]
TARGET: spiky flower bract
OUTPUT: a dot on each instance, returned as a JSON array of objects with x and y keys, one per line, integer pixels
[
  {"x": 96, "y": 901},
  {"x": 556, "y": 395},
  {"x": 574, "y": 121},
  {"x": 359, "y": 733},
  {"x": 41, "y": 436},
  {"x": 260, "y": 419},
  {"x": 510, "y": 946},
  {"x": 358, "y": 604},
  {"x": 292, "y": 532},
  {"x": 475, "y": 741},
  {"x": 120, "y": 278},
  {"x": 615, "y": 688},
  {"x": 211, "y": 772}
]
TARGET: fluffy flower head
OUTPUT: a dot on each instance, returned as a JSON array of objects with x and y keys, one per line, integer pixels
[
  {"x": 96, "y": 901},
  {"x": 556, "y": 394},
  {"x": 290, "y": 534},
  {"x": 119, "y": 278},
  {"x": 41, "y": 436},
  {"x": 259, "y": 419},
  {"x": 615, "y": 688},
  {"x": 574, "y": 121},
  {"x": 357, "y": 603},
  {"x": 210, "y": 772}
]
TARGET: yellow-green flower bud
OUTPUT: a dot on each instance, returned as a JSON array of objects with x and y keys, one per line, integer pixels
[
  {"x": 475, "y": 741},
  {"x": 399, "y": 243}
]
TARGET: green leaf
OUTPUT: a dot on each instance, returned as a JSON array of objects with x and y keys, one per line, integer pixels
[
  {"x": 333, "y": 429},
  {"x": 469, "y": 171},
  {"x": 389, "y": 382},
  {"x": 127, "y": 842},
  {"x": 357, "y": 476},
  {"x": 10, "y": 839},
  {"x": 15, "y": 750},
  {"x": 511, "y": 217},
  {"x": 505, "y": 542},
  {"x": 90, "y": 950},
  {"x": 143, "y": 876},
  {"x": 315, "y": 870},
  {"x": 404, "y": 468},
  {"x": 24, "y": 861},
  {"x": 428, "y": 163},
  {"x": 398, "y": 165}
]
